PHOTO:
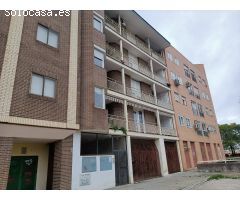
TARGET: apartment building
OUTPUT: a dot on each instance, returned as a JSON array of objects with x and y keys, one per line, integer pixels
[
  {"x": 86, "y": 102},
  {"x": 195, "y": 117}
]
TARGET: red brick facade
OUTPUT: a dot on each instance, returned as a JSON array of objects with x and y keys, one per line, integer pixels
[{"x": 5, "y": 158}]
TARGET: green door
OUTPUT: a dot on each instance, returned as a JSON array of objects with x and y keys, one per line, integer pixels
[{"x": 22, "y": 173}]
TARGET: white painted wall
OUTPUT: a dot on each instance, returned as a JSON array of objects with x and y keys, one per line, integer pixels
[{"x": 97, "y": 180}]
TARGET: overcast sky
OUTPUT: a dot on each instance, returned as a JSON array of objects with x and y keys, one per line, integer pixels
[{"x": 211, "y": 38}]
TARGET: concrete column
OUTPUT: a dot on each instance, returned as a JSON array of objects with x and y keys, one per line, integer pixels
[
  {"x": 123, "y": 80},
  {"x": 129, "y": 153},
  {"x": 121, "y": 49},
  {"x": 179, "y": 156},
  {"x": 151, "y": 67},
  {"x": 76, "y": 152},
  {"x": 120, "y": 24},
  {"x": 125, "y": 113},
  {"x": 155, "y": 92},
  {"x": 162, "y": 156},
  {"x": 158, "y": 122},
  {"x": 149, "y": 45}
]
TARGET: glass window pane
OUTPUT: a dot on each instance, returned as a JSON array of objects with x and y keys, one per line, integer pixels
[
  {"x": 42, "y": 33},
  {"x": 105, "y": 163},
  {"x": 49, "y": 88},
  {"x": 97, "y": 24},
  {"x": 98, "y": 62},
  {"x": 98, "y": 58},
  {"x": 37, "y": 84},
  {"x": 89, "y": 164},
  {"x": 104, "y": 144},
  {"x": 88, "y": 144},
  {"x": 53, "y": 39},
  {"x": 99, "y": 95}
]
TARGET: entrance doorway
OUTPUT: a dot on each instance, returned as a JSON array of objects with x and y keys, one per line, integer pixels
[
  {"x": 22, "y": 173},
  {"x": 145, "y": 159},
  {"x": 172, "y": 157},
  {"x": 194, "y": 155}
]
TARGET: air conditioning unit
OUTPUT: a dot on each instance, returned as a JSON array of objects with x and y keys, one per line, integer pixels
[
  {"x": 197, "y": 126},
  {"x": 176, "y": 82}
]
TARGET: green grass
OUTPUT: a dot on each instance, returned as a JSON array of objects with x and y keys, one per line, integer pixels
[{"x": 221, "y": 176}]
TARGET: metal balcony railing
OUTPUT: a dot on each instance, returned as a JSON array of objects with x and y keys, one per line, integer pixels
[
  {"x": 135, "y": 127},
  {"x": 168, "y": 131},
  {"x": 158, "y": 56},
  {"x": 164, "y": 104},
  {"x": 151, "y": 128},
  {"x": 140, "y": 95},
  {"x": 113, "y": 52},
  {"x": 160, "y": 79},
  {"x": 112, "y": 24},
  {"x": 114, "y": 85},
  {"x": 116, "y": 122},
  {"x": 133, "y": 39}
]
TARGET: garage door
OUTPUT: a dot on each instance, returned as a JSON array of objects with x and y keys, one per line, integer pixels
[
  {"x": 145, "y": 159},
  {"x": 172, "y": 157}
]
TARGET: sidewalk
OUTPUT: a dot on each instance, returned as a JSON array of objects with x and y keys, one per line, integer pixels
[{"x": 183, "y": 181}]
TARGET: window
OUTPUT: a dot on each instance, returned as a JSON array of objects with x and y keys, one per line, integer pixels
[
  {"x": 98, "y": 23},
  {"x": 99, "y": 98},
  {"x": 190, "y": 89},
  {"x": 176, "y": 61},
  {"x": 188, "y": 123},
  {"x": 47, "y": 36},
  {"x": 184, "y": 101},
  {"x": 193, "y": 76},
  {"x": 42, "y": 86},
  {"x": 181, "y": 120},
  {"x": 98, "y": 58},
  {"x": 186, "y": 71},
  {"x": 196, "y": 93},
  {"x": 200, "y": 110},
  {"x": 169, "y": 56},
  {"x": 177, "y": 96},
  {"x": 194, "y": 108}
]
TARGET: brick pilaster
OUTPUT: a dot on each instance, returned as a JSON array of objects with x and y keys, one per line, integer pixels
[{"x": 5, "y": 159}]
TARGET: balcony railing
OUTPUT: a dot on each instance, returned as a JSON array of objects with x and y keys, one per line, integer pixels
[
  {"x": 112, "y": 24},
  {"x": 113, "y": 52},
  {"x": 151, "y": 128},
  {"x": 168, "y": 131},
  {"x": 164, "y": 104},
  {"x": 140, "y": 95},
  {"x": 142, "y": 127},
  {"x": 114, "y": 85},
  {"x": 133, "y": 39},
  {"x": 158, "y": 56},
  {"x": 116, "y": 122},
  {"x": 135, "y": 127},
  {"x": 160, "y": 79}
]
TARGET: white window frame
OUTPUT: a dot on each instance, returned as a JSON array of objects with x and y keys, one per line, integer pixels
[
  {"x": 103, "y": 96},
  {"x": 183, "y": 120},
  {"x": 95, "y": 56},
  {"x": 44, "y": 78},
  {"x": 48, "y": 31},
  {"x": 188, "y": 122},
  {"x": 99, "y": 20}
]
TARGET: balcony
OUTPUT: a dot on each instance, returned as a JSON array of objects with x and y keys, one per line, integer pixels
[
  {"x": 114, "y": 85},
  {"x": 168, "y": 131},
  {"x": 160, "y": 79},
  {"x": 148, "y": 128},
  {"x": 140, "y": 95},
  {"x": 113, "y": 52},
  {"x": 116, "y": 122},
  {"x": 158, "y": 56},
  {"x": 164, "y": 104},
  {"x": 112, "y": 24},
  {"x": 132, "y": 38}
]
